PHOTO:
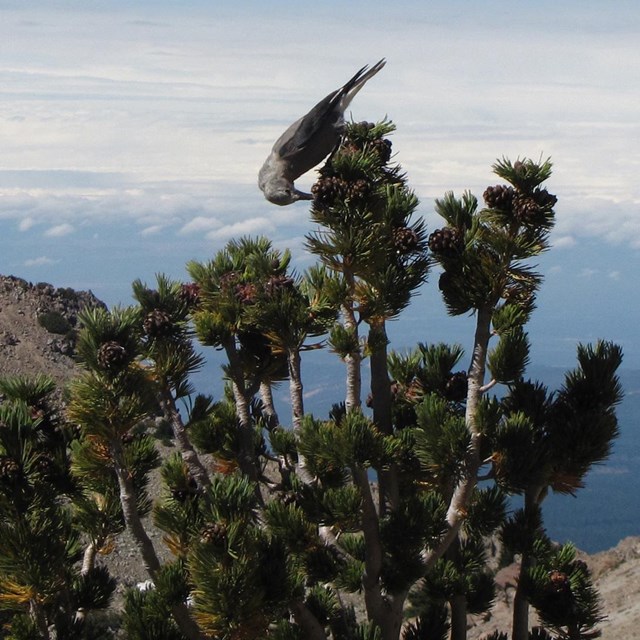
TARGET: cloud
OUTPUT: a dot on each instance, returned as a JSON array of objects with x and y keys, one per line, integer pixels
[
  {"x": 26, "y": 223},
  {"x": 200, "y": 224},
  {"x": 59, "y": 230},
  {"x": 563, "y": 242},
  {"x": 152, "y": 230},
  {"x": 39, "y": 262},
  {"x": 614, "y": 275},
  {"x": 252, "y": 226},
  {"x": 588, "y": 273}
]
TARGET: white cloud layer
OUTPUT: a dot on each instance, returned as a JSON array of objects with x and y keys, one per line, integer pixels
[
  {"x": 112, "y": 115},
  {"x": 41, "y": 261}
]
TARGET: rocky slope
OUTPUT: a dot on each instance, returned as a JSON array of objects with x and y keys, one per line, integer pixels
[
  {"x": 37, "y": 327},
  {"x": 37, "y": 333}
]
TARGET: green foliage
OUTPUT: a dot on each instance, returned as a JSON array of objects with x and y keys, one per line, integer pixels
[
  {"x": 54, "y": 322},
  {"x": 269, "y": 532},
  {"x": 441, "y": 439},
  {"x": 40, "y": 536},
  {"x": 509, "y": 359},
  {"x": 561, "y": 590},
  {"x": 145, "y": 617},
  {"x": 431, "y": 624}
]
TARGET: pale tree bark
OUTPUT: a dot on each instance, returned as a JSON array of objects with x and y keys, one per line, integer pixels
[
  {"x": 268, "y": 405},
  {"x": 89, "y": 558},
  {"x": 188, "y": 453},
  {"x": 384, "y": 609},
  {"x": 353, "y": 361},
  {"x": 457, "y": 511},
  {"x": 149, "y": 557},
  {"x": 38, "y": 616},
  {"x": 297, "y": 407},
  {"x": 389, "y": 491},
  {"x": 242, "y": 398}
]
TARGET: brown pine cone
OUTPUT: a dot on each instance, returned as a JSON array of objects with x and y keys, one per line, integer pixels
[
  {"x": 499, "y": 197},
  {"x": 157, "y": 324},
  {"x": 446, "y": 241},
  {"x": 112, "y": 355},
  {"x": 405, "y": 240}
]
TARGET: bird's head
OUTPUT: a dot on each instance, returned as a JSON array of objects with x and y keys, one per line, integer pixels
[{"x": 282, "y": 192}]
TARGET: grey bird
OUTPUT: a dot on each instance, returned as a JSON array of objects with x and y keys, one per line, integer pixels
[{"x": 308, "y": 141}]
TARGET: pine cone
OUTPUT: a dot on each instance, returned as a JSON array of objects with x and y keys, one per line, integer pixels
[
  {"x": 228, "y": 281},
  {"x": 446, "y": 242},
  {"x": 278, "y": 283},
  {"x": 382, "y": 147},
  {"x": 405, "y": 240},
  {"x": 9, "y": 469},
  {"x": 215, "y": 534},
  {"x": 544, "y": 199},
  {"x": 455, "y": 388},
  {"x": 328, "y": 189},
  {"x": 190, "y": 294},
  {"x": 357, "y": 189},
  {"x": 559, "y": 581},
  {"x": 112, "y": 355},
  {"x": 499, "y": 197},
  {"x": 44, "y": 464},
  {"x": 157, "y": 324},
  {"x": 246, "y": 293},
  {"x": 525, "y": 209}
]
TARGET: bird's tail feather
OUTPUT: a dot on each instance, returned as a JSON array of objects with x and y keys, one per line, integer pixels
[{"x": 351, "y": 88}]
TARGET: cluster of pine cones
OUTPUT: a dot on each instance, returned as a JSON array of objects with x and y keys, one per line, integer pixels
[
  {"x": 278, "y": 283},
  {"x": 328, "y": 189},
  {"x": 527, "y": 208},
  {"x": 190, "y": 294}
]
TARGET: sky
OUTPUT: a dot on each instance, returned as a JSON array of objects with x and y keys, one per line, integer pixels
[{"x": 132, "y": 133}]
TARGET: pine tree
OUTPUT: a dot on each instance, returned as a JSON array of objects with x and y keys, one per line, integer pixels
[
  {"x": 43, "y": 592},
  {"x": 379, "y": 503}
]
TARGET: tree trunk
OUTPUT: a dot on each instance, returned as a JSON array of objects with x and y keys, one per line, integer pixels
[
  {"x": 310, "y": 625},
  {"x": 457, "y": 510},
  {"x": 131, "y": 515},
  {"x": 38, "y": 616},
  {"x": 385, "y": 610},
  {"x": 297, "y": 406},
  {"x": 520, "y": 627},
  {"x": 389, "y": 492},
  {"x": 189, "y": 455},
  {"x": 458, "y": 606},
  {"x": 268, "y": 406},
  {"x": 149, "y": 557},
  {"x": 353, "y": 360},
  {"x": 247, "y": 455}
]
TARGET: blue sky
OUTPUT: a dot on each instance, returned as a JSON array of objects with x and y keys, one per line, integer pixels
[{"x": 132, "y": 133}]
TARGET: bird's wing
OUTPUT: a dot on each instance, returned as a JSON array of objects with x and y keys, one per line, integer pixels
[
  {"x": 298, "y": 135},
  {"x": 327, "y": 112}
]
